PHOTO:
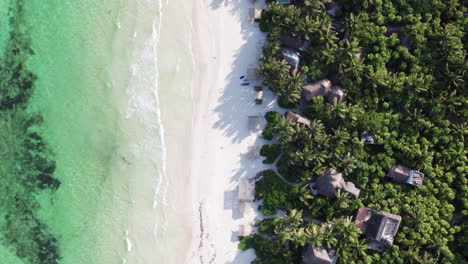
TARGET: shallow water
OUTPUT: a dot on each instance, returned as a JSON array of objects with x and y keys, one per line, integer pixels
[{"x": 98, "y": 89}]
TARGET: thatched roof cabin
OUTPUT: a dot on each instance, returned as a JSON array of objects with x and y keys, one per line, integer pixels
[
  {"x": 245, "y": 230},
  {"x": 294, "y": 43},
  {"x": 297, "y": 118},
  {"x": 331, "y": 181},
  {"x": 402, "y": 174},
  {"x": 246, "y": 190},
  {"x": 254, "y": 123},
  {"x": 319, "y": 88},
  {"x": 252, "y": 74},
  {"x": 315, "y": 255},
  {"x": 255, "y": 13},
  {"x": 379, "y": 227},
  {"x": 336, "y": 94},
  {"x": 253, "y": 152},
  {"x": 246, "y": 208}
]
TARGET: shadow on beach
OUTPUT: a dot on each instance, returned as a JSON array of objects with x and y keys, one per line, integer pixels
[{"x": 237, "y": 103}]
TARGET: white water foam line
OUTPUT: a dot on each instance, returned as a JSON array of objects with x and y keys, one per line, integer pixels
[{"x": 143, "y": 105}]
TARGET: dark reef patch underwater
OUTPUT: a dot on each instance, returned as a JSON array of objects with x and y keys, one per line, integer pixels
[{"x": 26, "y": 163}]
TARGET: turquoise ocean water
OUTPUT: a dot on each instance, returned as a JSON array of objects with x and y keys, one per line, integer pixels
[{"x": 83, "y": 153}]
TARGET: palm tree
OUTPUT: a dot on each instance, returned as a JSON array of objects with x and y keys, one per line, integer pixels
[
  {"x": 290, "y": 89},
  {"x": 342, "y": 199}
]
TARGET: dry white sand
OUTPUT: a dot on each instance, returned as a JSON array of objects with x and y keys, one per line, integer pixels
[{"x": 225, "y": 45}]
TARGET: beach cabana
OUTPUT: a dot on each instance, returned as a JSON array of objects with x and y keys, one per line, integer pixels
[
  {"x": 315, "y": 255},
  {"x": 253, "y": 152},
  {"x": 252, "y": 74},
  {"x": 379, "y": 227},
  {"x": 336, "y": 94},
  {"x": 294, "y": 43},
  {"x": 297, "y": 118},
  {"x": 254, "y": 123},
  {"x": 246, "y": 190},
  {"x": 246, "y": 208},
  {"x": 245, "y": 230},
  {"x": 291, "y": 57},
  {"x": 331, "y": 181},
  {"x": 402, "y": 174},
  {"x": 254, "y": 13},
  {"x": 319, "y": 88}
]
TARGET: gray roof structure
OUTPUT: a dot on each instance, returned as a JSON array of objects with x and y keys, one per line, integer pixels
[
  {"x": 319, "y": 88},
  {"x": 379, "y": 227},
  {"x": 402, "y": 174},
  {"x": 336, "y": 94},
  {"x": 294, "y": 43},
  {"x": 331, "y": 181},
  {"x": 254, "y": 123},
  {"x": 252, "y": 74},
  {"x": 255, "y": 13},
  {"x": 291, "y": 56},
  {"x": 315, "y": 255},
  {"x": 297, "y": 118},
  {"x": 246, "y": 190}
]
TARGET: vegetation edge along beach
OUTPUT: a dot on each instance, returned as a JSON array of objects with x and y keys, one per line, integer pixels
[{"x": 373, "y": 88}]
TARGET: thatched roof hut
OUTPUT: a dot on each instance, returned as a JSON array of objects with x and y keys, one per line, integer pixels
[
  {"x": 252, "y": 74},
  {"x": 245, "y": 230},
  {"x": 246, "y": 208},
  {"x": 315, "y": 255},
  {"x": 246, "y": 190},
  {"x": 319, "y": 88},
  {"x": 402, "y": 174},
  {"x": 379, "y": 227},
  {"x": 253, "y": 152},
  {"x": 254, "y": 123},
  {"x": 331, "y": 181},
  {"x": 294, "y": 43},
  {"x": 297, "y": 118},
  {"x": 336, "y": 93},
  {"x": 255, "y": 13}
]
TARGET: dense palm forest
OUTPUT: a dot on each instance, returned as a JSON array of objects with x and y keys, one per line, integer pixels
[{"x": 402, "y": 65}]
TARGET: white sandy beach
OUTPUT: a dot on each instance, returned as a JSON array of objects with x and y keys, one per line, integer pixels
[{"x": 225, "y": 45}]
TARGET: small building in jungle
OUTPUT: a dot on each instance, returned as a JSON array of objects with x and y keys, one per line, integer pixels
[
  {"x": 402, "y": 174},
  {"x": 378, "y": 227}
]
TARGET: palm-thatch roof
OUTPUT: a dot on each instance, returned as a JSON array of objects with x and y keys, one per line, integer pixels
[
  {"x": 245, "y": 230},
  {"x": 336, "y": 94},
  {"x": 331, "y": 181},
  {"x": 297, "y": 118},
  {"x": 319, "y": 88},
  {"x": 379, "y": 227},
  {"x": 246, "y": 190},
  {"x": 254, "y": 123},
  {"x": 402, "y": 174},
  {"x": 315, "y": 255}
]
